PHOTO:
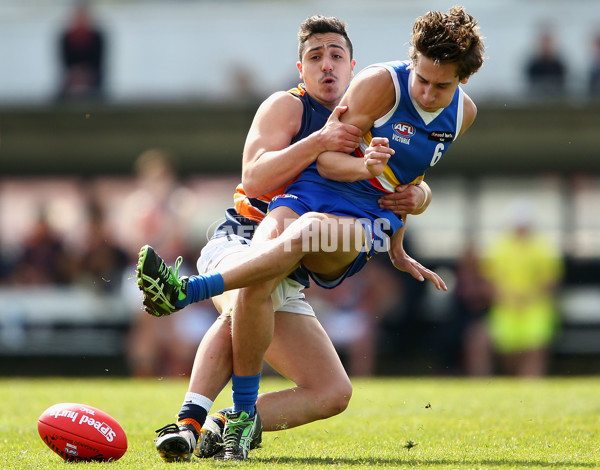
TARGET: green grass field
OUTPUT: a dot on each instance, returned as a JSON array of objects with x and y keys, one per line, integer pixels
[{"x": 391, "y": 423}]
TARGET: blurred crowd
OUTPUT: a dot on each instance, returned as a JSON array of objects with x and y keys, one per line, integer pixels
[
  {"x": 547, "y": 70},
  {"x": 84, "y": 237},
  {"x": 500, "y": 313}
]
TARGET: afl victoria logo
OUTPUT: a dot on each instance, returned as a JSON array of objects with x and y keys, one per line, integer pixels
[{"x": 404, "y": 129}]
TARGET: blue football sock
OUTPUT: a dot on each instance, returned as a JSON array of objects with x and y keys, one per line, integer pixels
[
  {"x": 202, "y": 287},
  {"x": 245, "y": 393}
]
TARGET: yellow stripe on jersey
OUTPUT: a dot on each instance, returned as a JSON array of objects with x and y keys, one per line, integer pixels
[{"x": 387, "y": 179}]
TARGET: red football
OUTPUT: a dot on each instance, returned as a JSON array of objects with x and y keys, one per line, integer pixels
[{"x": 79, "y": 432}]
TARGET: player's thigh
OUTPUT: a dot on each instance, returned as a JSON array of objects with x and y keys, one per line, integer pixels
[
  {"x": 220, "y": 254},
  {"x": 302, "y": 352},
  {"x": 274, "y": 224},
  {"x": 340, "y": 241}
]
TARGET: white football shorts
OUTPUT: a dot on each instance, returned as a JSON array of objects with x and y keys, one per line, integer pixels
[{"x": 287, "y": 296}]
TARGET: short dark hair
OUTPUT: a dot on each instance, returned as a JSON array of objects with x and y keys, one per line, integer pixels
[
  {"x": 318, "y": 24},
  {"x": 449, "y": 37}
]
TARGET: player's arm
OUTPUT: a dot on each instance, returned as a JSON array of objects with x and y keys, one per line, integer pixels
[
  {"x": 403, "y": 262},
  {"x": 269, "y": 161},
  {"x": 469, "y": 114},
  {"x": 370, "y": 95}
]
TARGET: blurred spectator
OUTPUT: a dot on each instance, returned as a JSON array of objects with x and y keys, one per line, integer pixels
[
  {"x": 402, "y": 335},
  {"x": 43, "y": 259},
  {"x": 546, "y": 71},
  {"x": 81, "y": 49},
  {"x": 165, "y": 346},
  {"x": 594, "y": 77},
  {"x": 160, "y": 346},
  {"x": 472, "y": 299},
  {"x": 151, "y": 211},
  {"x": 243, "y": 84},
  {"x": 525, "y": 270},
  {"x": 352, "y": 313},
  {"x": 103, "y": 262}
]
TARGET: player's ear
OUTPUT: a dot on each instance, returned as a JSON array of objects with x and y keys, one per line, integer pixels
[
  {"x": 465, "y": 80},
  {"x": 299, "y": 67},
  {"x": 353, "y": 64}
]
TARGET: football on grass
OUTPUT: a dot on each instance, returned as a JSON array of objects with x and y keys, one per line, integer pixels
[{"x": 79, "y": 432}]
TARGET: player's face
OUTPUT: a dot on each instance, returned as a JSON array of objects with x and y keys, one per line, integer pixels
[
  {"x": 326, "y": 68},
  {"x": 433, "y": 85}
]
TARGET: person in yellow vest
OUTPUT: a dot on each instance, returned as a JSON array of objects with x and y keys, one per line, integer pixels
[{"x": 525, "y": 270}]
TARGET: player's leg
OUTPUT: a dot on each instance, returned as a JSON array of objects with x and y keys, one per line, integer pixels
[
  {"x": 252, "y": 327},
  {"x": 212, "y": 365},
  {"x": 329, "y": 243},
  {"x": 252, "y": 330},
  {"x": 247, "y": 351},
  {"x": 210, "y": 373},
  {"x": 317, "y": 234},
  {"x": 302, "y": 352},
  {"x": 243, "y": 428}
]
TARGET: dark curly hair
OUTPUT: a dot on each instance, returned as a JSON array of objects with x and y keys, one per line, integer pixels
[
  {"x": 318, "y": 24},
  {"x": 449, "y": 37}
]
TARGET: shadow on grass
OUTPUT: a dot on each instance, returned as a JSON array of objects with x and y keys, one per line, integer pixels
[{"x": 358, "y": 463}]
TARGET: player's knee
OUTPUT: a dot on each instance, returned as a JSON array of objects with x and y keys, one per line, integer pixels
[
  {"x": 336, "y": 399},
  {"x": 313, "y": 220},
  {"x": 306, "y": 228},
  {"x": 309, "y": 221},
  {"x": 257, "y": 293}
]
